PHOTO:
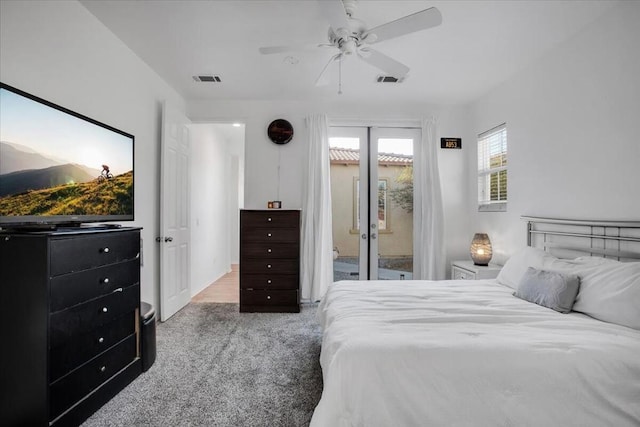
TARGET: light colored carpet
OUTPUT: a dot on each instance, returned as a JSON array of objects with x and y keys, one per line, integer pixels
[{"x": 218, "y": 367}]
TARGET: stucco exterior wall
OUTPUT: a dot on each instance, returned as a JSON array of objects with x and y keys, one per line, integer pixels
[{"x": 395, "y": 241}]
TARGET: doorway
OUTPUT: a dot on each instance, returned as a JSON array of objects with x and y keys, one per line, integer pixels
[
  {"x": 217, "y": 188},
  {"x": 372, "y": 202}
]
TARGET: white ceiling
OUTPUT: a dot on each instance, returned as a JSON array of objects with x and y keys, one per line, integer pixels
[{"x": 479, "y": 45}]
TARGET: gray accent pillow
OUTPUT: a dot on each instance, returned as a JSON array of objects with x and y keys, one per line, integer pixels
[{"x": 550, "y": 289}]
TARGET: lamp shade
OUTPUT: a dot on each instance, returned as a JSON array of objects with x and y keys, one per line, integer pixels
[{"x": 481, "y": 249}]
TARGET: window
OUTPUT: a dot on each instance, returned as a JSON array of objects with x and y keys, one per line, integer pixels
[
  {"x": 492, "y": 169},
  {"x": 382, "y": 204}
]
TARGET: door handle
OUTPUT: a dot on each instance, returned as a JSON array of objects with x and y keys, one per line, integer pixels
[
  {"x": 364, "y": 236},
  {"x": 168, "y": 239},
  {"x": 373, "y": 236}
]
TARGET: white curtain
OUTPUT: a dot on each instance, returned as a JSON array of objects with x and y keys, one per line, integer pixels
[
  {"x": 317, "y": 252},
  {"x": 428, "y": 216}
]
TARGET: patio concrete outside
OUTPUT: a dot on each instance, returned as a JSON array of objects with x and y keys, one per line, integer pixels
[{"x": 349, "y": 271}]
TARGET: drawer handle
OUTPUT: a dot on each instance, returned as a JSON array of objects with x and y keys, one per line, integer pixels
[
  {"x": 103, "y": 368},
  {"x": 268, "y": 296},
  {"x": 269, "y": 219},
  {"x": 105, "y": 280},
  {"x": 268, "y": 265},
  {"x": 268, "y": 234},
  {"x": 100, "y": 340},
  {"x": 118, "y": 290},
  {"x": 269, "y": 250},
  {"x": 105, "y": 309},
  {"x": 105, "y": 250},
  {"x": 268, "y": 280}
]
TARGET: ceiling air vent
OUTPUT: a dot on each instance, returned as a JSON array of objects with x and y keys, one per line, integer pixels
[
  {"x": 207, "y": 78},
  {"x": 389, "y": 79}
]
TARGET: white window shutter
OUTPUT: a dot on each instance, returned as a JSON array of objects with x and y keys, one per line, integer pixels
[{"x": 492, "y": 169}]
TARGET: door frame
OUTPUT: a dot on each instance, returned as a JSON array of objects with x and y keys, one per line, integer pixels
[{"x": 368, "y": 134}]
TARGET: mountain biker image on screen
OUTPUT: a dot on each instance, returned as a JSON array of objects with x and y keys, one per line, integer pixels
[{"x": 105, "y": 174}]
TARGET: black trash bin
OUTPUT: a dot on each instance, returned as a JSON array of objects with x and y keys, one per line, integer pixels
[{"x": 148, "y": 341}]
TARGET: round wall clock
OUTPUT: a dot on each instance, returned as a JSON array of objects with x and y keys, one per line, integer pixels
[{"x": 280, "y": 131}]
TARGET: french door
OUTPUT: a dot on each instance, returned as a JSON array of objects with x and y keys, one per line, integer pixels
[{"x": 372, "y": 202}]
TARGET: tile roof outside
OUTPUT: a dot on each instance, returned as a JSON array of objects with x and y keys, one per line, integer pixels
[{"x": 352, "y": 156}]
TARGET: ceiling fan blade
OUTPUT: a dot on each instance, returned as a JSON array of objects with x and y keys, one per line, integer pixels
[
  {"x": 323, "y": 78},
  {"x": 422, "y": 20},
  {"x": 268, "y": 50},
  {"x": 334, "y": 12},
  {"x": 383, "y": 62}
]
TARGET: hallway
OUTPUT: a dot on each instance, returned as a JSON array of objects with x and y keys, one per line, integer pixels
[{"x": 224, "y": 290}]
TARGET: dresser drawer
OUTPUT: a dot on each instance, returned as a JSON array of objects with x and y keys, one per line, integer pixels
[
  {"x": 270, "y": 234},
  {"x": 74, "y": 288},
  {"x": 269, "y": 260},
  {"x": 71, "y": 388},
  {"x": 74, "y": 353},
  {"x": 268, "y": 297},
  {"x": 250, "y": 219},
  {"x": 88, "y": 316},
  {"x": 267, "y": 250},
  {"x": 275, "y": 266},
  {"x": 81, "y": 253},
  {"x": 269, "y": 281}
]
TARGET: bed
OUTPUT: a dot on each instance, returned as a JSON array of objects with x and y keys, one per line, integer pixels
[{"x": 470, "y": 353}]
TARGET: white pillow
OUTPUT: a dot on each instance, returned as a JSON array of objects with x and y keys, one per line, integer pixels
[
  {"x": 517, "y": 265},
  {"x": 594, "y": 260},
  {"x": 572, "y": 266},
  {"x": 610, "y": 292}
]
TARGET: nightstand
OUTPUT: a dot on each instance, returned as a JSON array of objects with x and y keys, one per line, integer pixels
[{"x": 467, "y": 270}]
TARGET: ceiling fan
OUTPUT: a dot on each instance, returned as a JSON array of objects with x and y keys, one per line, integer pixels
[{"x": 350, "y": 36}]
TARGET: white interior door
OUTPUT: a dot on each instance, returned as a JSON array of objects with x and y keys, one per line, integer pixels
[{"x": 174, "y": 237}]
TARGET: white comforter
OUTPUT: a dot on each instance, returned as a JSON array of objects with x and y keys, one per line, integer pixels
[{"x": 468, "y": 353}]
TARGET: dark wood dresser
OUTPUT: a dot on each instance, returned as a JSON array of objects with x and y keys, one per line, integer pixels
[
  {"x": 70, "y": 322},
  {"x": 269, "y": 261}
]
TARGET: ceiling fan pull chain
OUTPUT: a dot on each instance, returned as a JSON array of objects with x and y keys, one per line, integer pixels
[{"x": 340, "y": 76}]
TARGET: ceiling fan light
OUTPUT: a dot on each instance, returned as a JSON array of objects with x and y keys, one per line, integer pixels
[{"x": 349, "y": 47}]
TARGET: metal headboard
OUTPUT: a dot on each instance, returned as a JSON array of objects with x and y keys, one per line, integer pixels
[{"x": 568, "y": 238}]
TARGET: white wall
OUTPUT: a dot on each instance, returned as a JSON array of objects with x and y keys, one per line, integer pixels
[
  {"x": 215, "y": 163},
  {"x": 573, "y": 123},
  {"x": 455, "y": 173},
  {"x": 60, "y": 52},
  {"x": 236, "y": 193},
  {"x": 262, "y": 156}
]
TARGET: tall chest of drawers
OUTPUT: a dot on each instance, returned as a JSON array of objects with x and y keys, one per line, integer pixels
[
  {"x": 269, "y": 260},
  {"x": 70, "y": 322}
]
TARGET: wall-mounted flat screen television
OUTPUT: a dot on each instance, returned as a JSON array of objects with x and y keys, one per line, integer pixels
[{"x": 60, "y": 167}]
